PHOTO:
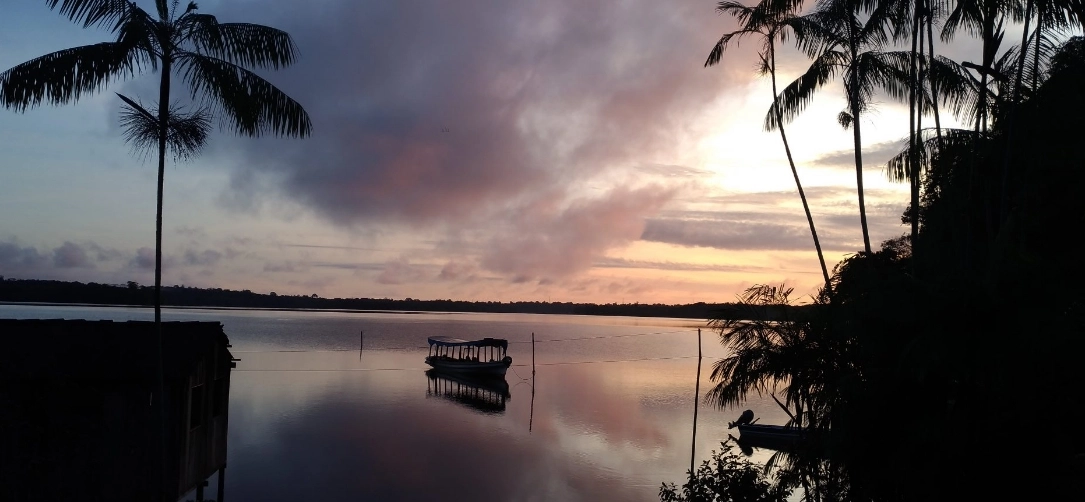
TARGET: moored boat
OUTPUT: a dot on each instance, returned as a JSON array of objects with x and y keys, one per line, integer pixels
[
  {"x": 488, "y": 356},
  {"x": 773, "y": 437}
]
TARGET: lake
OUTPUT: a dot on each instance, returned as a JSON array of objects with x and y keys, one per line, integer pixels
[{"x": 338, "y": 406}]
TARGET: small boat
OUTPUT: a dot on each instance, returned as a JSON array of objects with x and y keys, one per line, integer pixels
[
  {"x": 488, "y": 356},
  {"x": 773, "y": 437},
  {"x": 769, "y": 436}
]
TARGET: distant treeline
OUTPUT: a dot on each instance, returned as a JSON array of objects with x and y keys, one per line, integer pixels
[{"x": 41, "y": 291}]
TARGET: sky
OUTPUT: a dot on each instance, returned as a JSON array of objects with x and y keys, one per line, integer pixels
[{"x": 536, "y": 150}]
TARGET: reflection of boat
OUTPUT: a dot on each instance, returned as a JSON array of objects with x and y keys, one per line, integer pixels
[
  {"x": 484, "y": 393},
  {"x": 485, "y": 356}
]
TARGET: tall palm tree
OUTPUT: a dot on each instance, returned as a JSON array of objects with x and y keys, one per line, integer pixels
[
  {"x": 768, "y": 20},
  {"x": 212, "y": 58},
  {"x": 845, "y": 37}
]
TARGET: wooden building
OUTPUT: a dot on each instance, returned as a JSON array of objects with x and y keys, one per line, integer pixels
[{"x": 80, "y": 415}]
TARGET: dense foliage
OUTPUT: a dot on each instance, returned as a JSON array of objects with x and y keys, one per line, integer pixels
[
  {"x": 944, "y": 365},
  {"x": 729, "y": 476}
]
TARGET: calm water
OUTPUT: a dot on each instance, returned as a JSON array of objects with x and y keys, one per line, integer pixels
[{"x": 312, "y": 417}]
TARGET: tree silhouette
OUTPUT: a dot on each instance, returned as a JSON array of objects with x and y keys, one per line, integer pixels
[
  {"x": 212, "y": 58},
  {"x": 846, "y": 42},
  {"x": 768, "y": 20}
]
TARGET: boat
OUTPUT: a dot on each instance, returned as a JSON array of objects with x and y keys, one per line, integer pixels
[
  {"x": 484, "y": 393},
  {"x": 488, "y": 356},
  {"x": 773, "y": 437}
]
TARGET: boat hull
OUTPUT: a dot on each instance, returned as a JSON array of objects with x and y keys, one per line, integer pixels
[
  {"x": 773, "y": 437},
  {"x": 469, "y": 367}
]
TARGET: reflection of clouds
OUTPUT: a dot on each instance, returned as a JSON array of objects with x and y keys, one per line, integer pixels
[
  {"x": 590, "y": 404},
  {"x": 603, "y": 431},
  {"x": 355, "y": 444}
]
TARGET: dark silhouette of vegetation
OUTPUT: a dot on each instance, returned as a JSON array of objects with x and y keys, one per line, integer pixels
[
  {"x": 133, "y": 294},
  {"x": 944, "y": 365},
  {"x": 728, "y": 477},
  {"x": 769, "y": 23},
  {"x": 212, "y": 58}
]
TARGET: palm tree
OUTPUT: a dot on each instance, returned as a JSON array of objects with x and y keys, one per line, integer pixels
[
  {"x": 767, "y": 20},
  {"x": 844, "y": 40},
  {"x": 212, "y": 58}
]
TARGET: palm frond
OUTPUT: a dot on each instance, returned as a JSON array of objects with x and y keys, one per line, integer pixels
[
  {"x": 955, "y": 85},
  {"x": 813, "y": 37},
  {"x": 875, "y": 32},
  {"x": 249, "y": 104},
  {"x": 844, "y": 119},
  {"x": 716, "y": 54},
  {"x": 887, "y": 71},
  {"x": 737, "y": 10},
  {"x": 186, "y": 133},
  {"x": 163, "y": 8},
  {"x": 899, "y": 168},
  {"x": 796, "y": 95},
  {"x": 249, "y": 45},
  {"x": 91, "y": 12},
  {"x": 64, "y": 76}
]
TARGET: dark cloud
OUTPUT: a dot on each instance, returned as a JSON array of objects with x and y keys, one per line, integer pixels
[
  {"x": 694, "y": 267},
  {"x": 874, "y": 156},
  {"x": 71, "y": 261},
  {"x": 433, "y": 112},
  {"x": 738, "y": 236},
  {"x": 769, "y": 221},
  {"x": 144, "y": 259},
  {"x": 207, "y": 257},
  {"x": 192, "y": 232},
  {"x": 556, "y": 241},
  {"x": 71, "y": 255},
  {"x": 317, "y": 246},
  {"x": 401, "y": 271},
  {"x": 103, "y": 254},
  {"x": 673, "y": 171},
  {"x": 285, "y": 266},
  {"x": 453, "y": 270},
  {"x": 16, "y": 258}
]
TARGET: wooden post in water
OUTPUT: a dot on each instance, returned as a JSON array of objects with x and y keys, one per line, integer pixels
[
  {"x": 361, "y": 343},
  {"x": 696, "y": 403},
  {"x": 531, "y": 413}
]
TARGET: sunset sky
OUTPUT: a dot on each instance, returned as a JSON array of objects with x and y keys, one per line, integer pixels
[{"x": 556, "y": 150}]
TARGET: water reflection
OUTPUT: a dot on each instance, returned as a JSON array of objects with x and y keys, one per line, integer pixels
[
  {"x": 485, "y": 394},
  {"x": 364, "y": 440},
  {"x": 314, "y": 417},
  {"x": 80, "y": 418}
]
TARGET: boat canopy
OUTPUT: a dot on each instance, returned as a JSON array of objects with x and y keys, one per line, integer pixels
[{"x": 447, "y": 341}]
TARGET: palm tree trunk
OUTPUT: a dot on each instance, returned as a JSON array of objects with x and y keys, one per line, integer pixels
[
  {"x": 913, "y": 164},
  {"x": 1004, "y": 198},
  {"x": 934, "y": 86},
  {"x": 1036, "y": 53},
  {"x": 791, "y": 162},
  {"x": 853, "y": 101},
  {"x": 163, "y": 124}
]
